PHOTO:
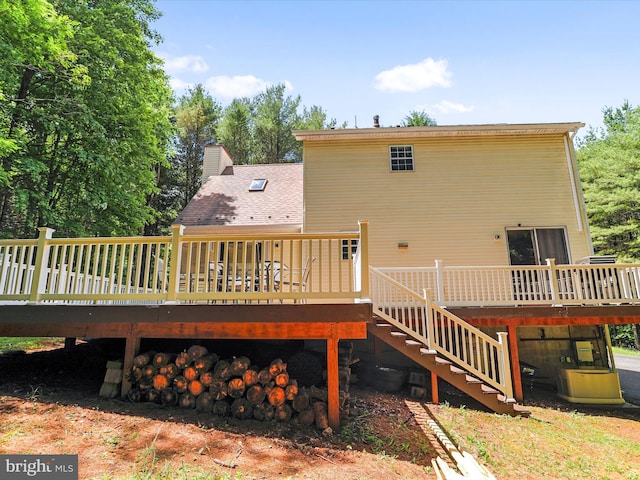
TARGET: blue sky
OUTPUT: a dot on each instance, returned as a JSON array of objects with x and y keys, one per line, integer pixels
[{"x": 461, "y": 62}]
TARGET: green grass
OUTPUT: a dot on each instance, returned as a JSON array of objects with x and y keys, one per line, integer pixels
[
  {"x": 28, "y": 343},
  {"x": 626, "y": 351}
]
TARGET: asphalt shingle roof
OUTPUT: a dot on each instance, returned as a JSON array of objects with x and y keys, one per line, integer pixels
[{"x": 226, "y": 200}]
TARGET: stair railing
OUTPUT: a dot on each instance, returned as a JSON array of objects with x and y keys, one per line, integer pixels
[{"x": 440, "y": 331}]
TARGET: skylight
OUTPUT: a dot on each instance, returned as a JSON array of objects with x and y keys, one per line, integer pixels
[{"x": 258, "y": 184}]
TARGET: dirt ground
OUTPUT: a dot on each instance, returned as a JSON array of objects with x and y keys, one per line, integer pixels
[{"x": 49, "y": 404}]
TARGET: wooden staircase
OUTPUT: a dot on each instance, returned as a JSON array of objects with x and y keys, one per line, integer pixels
[{"x": 445, "y": 369}]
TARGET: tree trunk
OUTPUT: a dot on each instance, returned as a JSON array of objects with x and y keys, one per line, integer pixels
[
  {"x": 170, "y": 370},
  {"x": 148, "y": 371},
  {"x": 291, "y": 390},
  {"x": 205, "y": 364},
  {"x": 276, "y": 367},
  {"x": 264, "y": 412},
  {"x": 636, "y": 335},
  {"x": 153, "y": 395},
  {"x": 222, "y": 370}
]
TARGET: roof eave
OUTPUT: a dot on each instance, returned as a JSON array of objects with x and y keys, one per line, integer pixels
[{"x": 440, "y": 131}]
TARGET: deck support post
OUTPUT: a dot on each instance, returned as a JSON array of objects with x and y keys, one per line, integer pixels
[
  {"x": 515, "y": 362},
  {"x": 435, "y": 399},
  {"x": 131, "y": 349},
  {"x": 333, "y": 385}
]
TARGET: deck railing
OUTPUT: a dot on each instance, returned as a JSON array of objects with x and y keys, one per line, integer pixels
[
  {"x": 440, "y": 331},
  {"x": 550, "y": 284},
  {"x": 179, "y": 268}
]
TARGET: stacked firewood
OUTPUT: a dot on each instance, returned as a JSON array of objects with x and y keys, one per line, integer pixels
[{"x": 198, "y": 379}]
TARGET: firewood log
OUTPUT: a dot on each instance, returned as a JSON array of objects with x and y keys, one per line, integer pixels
[
  {"x": 321, "y": 413},
  {"x": 276, "y": 396},
  {"x": 301, "y": 401},
  {"x": 186, "y": 400},
  {"x": 197, "y": 351},
  {"x": 204, "y": 402},
  {"x": 306, "y": 417},
  {"x": 135, "y": 395},
  {"x": 250, "y": 377},
  {"x": 283, "y": 413},
  {"x": 282, "y": 379},
  {"x": 239, "y": 365},
  {"x": 160, "y": 382},
  {"x": 183, "y": 360},
  {"x": 143, "y": 359},
  {"x": 160, "y": 359},
  {"x": 235, "y": 387},
  {"x": 190, "y": 373},
  {"x": 171, "y": 370},
  {"x": 168, "y": 397},
  {"x": 153, "y": 396},
  {"x": 241, "y": 408},
  {"x": 135, "y": 374},
  {"x": 219, "y": 390},
  {"x": 148, "y": 371},
  {"x": 264, "y": 412},
  {"x": 195, "y": 387},
  {"x": 222, "y": 370},
  {"x": 264, "y": 377},
  {"x": 256, "y": 394},
  {"x": 291, "y": 390},
  {"x": 180, "y": 384},
  {"x": 277, "y": 366},
  {"x": 205, "y": 363},
  {"x": 220, "y": 408},
  {"x": 207, "y": 378},
  {"x": 144, "y": 385}
]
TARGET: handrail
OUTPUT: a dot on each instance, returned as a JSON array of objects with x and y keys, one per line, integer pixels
[
  {"x": 440, "y": 331},
  {"x": 510, "y": 285},
  {"x": 177, "y": 268}
]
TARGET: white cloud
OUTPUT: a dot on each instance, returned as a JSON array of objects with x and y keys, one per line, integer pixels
[
  {"x": 412, "y": 78},
  {"x": 178, "y": 84},
  {"x": 239, "y": 86},
  {"x": 185, "y": 63},
  {"x": 446, "y": 106}
]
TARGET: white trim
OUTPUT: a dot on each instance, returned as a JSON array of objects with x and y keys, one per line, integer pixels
[{"x": 574, "y": 190}]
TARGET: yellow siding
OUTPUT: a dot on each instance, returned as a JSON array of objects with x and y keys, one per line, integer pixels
[{"x": 464, "y": 191}]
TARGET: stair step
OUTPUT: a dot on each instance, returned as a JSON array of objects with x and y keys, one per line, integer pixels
[
  {"x": 471, "y": 379},
  {"x": 457, "y": 371},
  {"x": 384, "y": 324},
  {"x": 398, "y": 334},
  {"x": 426, "y": 351},
  {"x": 442, "y": 361},
  {"x": 412, "y": 343},
  {"x": 486, "y": 389}
]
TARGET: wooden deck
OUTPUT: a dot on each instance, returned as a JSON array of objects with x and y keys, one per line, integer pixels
[{"x": 330, "y": 323}]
